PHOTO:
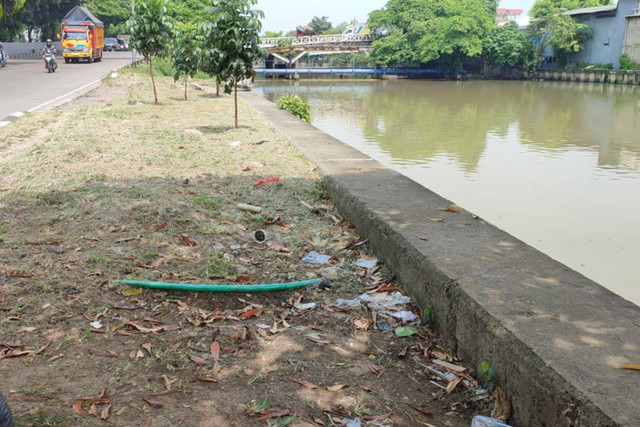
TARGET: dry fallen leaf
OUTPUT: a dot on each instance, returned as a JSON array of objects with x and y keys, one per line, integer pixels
[
  {"x": 502, "y": 407},
  {"x": 631, "y": 366},
  {"x": 208, "y": 379},
  {"x": 167, "y": 383},
  {"x": 26, "y": 329},
  {"x": 18, "y": 273},
  {"x": 215, "y": 350},
  {"x": 422, "y": 411},
  {"x": 337, "y": 387},
  {"x": 273, "y": 413},
  {"x": 449, "y": 366},
  {"x": 147, "y": 422},
  {"x": 103, "y": 353},
  {"x": 132, "y": 291},
  {"x": 306, "y": 384},
  {"x": 453, "y": 384},
  {"x": 93, "y": 410},
  {"x": 197, "y": 360},
  {"x": 185, "y": 240},
  {"x": 153, "y": 403},
  {"x": 77, "y": 407},
  {"x": 250, "y": 313},
  {"x": 452, "y": 209},
  {"x": 105, "y": 413},
  {"x": 147, "y": 346}
]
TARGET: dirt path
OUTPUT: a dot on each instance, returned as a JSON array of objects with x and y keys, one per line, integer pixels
[{"x": 111, "y": 187}]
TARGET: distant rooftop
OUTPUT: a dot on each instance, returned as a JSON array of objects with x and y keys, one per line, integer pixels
[{"x": 587, "y": 10}]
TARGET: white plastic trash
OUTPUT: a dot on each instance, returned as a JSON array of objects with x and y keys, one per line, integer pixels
[
  {"x": 482, "y": 421},
  {"x": 404, "y": 315},
  {"x": 314, "y": 257}
]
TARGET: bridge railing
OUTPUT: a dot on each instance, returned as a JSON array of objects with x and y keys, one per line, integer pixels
[{"x": 307, "y": 40}]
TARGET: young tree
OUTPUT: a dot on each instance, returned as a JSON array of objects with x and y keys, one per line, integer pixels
[
  {"x": 185, "y": 56},
  {"x": 150, "y": 30},
  {"x": 231, "y": 43}
]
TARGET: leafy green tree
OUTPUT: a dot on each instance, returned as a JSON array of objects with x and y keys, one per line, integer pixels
[
  {"x": 185, "y": 56},
  {"x": 150, "y": 29},
  {"x": 10, "y": 7},
  {"x": 337, "y": 30},
  {"x": 186, "y": 13},
  {"x": 543, "y": 8},
  {"x": 38, "y": 16},
  {"x": 232, "y": 43},
  {"x": 508, "y": 46},
  {"x": 272, "y": 34},
  {"x": 9, "y": 25},
  {"x": 320, "y": 25},
  {"x": 413, "y": 32},
  {"x": 562, "y": 32},
  {"x": 113, "y": 13}
]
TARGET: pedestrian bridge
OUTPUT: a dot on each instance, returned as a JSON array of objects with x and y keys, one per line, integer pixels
[
  {"x": 315, "y": 45},
  {"x": 351, "y": 42}
]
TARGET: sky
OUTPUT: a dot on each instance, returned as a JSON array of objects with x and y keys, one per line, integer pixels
[{"x": 285, "y": 15}]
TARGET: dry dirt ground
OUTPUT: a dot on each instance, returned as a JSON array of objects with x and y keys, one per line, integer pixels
[{"x": 112, "y": 187}]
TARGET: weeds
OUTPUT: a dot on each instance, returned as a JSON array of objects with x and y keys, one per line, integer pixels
[
  {"x": 39, "y": 418},
  {"x": 283, "y": 422},
  {"x": 254, "y": 406}
]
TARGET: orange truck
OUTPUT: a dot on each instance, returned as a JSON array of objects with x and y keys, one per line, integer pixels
[{"x": 82, "y": 36}]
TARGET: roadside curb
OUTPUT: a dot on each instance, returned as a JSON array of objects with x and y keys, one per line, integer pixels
[
  {"x": 554, "y": 338},
  {"x": 11, "y": 118}
]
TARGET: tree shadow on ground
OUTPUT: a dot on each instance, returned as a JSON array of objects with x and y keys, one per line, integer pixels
[{"x": 63, "y": 249}]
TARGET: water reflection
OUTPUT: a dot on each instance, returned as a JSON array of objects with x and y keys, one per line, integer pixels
[
  {"x": 414, "y": 121},
  {"x": 555, "y": 163}
]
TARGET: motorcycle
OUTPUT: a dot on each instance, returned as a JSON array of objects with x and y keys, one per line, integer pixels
[
  {"x": 3, "y": 58},
  {"x": 49, "y": 64}
]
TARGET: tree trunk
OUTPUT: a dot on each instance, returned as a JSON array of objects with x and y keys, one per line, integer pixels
[
  {"x": 185, "y": 87},
  {"x": 235, "y": 98},
  {"x": 217, "y": 88},
  {"x": 153, "y": 82}
]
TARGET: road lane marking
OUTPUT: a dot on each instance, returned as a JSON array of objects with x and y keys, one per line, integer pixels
[
  {"x": 17, "y": 114},
  {"x": 64, "y": 96}
]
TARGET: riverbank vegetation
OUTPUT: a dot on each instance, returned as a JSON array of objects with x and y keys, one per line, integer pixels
[{"x": 295, "y": 106}]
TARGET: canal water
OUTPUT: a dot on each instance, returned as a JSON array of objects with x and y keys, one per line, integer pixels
[{"x": 556, "y": 164}]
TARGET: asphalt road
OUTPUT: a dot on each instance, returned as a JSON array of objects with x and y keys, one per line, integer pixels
[{"x": 25, "y": 85}]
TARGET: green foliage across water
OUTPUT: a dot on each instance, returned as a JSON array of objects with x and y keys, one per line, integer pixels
[{"x": 411, "y": 33}]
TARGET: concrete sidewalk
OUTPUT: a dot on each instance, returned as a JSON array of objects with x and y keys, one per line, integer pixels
[{"x": 555, "y": 339}]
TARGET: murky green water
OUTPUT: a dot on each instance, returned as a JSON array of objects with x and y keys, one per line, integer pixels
[{"x": 555, "y": 164}]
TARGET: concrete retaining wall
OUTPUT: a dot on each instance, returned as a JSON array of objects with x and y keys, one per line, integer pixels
[
  {"x": 555, "y": 338},
  {"x": 27, "y": 50},
  {"x": 592, "y": 76}
]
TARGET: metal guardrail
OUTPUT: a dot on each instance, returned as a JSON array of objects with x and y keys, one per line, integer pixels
[{"x": 309, "y": 40}]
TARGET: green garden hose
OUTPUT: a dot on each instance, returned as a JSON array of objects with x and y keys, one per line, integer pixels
[{"x": 221, "y": 288}]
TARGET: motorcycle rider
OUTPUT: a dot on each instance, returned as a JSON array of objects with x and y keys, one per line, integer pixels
[
  {"x": 3, "y": 55},
  {"x": 50, "y": 48}
]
